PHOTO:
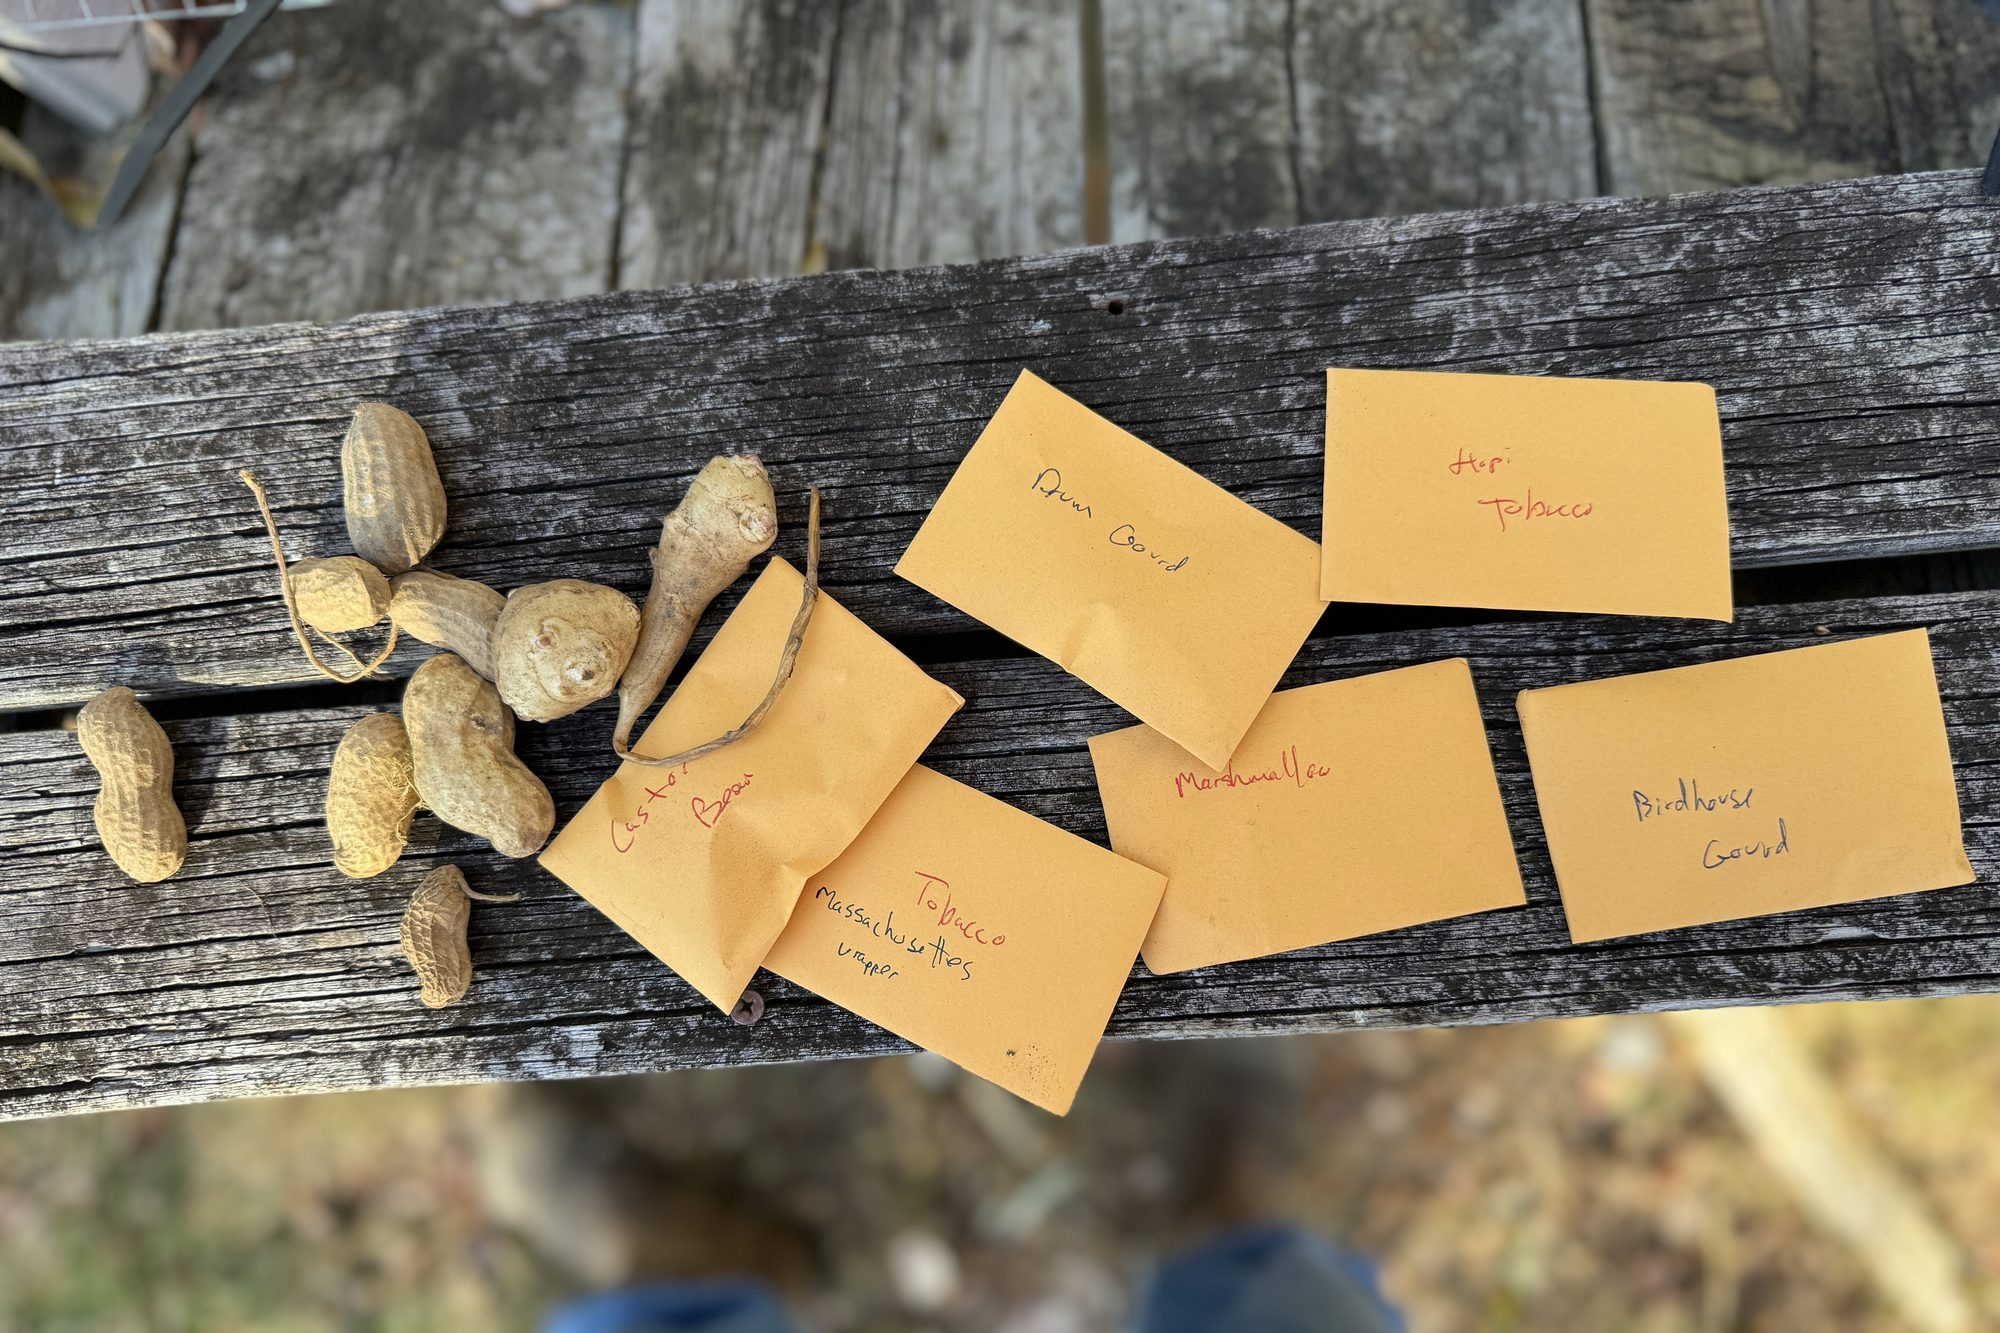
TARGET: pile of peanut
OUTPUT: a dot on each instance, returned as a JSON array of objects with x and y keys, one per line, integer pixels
[{"x": 539, "y": 653}]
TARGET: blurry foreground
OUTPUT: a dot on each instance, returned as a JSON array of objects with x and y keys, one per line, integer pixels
[{"x": 1579, "y": 1174}]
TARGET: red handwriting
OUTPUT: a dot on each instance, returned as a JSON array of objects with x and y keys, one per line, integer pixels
[
  {"x": 928, "y": 896},
  {"x": 1507, "y": 507},
  {"x": 1465, "y": 462},
  {"x": 707, "y": 812},
  {"x": 630, "y": 827},
  {"x": 1288, "y": 766},
  {"x": 1531, "y": 508}
]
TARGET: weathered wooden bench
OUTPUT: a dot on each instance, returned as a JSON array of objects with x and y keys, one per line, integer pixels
[{"x": 1850, "y": 330}]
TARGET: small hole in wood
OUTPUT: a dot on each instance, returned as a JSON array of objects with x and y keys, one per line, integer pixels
[{"x": 1114, "y": 307}]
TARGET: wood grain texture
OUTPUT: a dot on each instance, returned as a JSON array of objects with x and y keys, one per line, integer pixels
[
  {"x": 57, "y": 281},
  {"x": 1225, "y": 116},
  {"x": 415, "y": 154},
  {"x": 1847, "y": 327},
  {"x": 955, "y": 132},
  {"x": 261, "y": 970},
  {"x": 1200, "y": 117},
  {"x": 1408, "y": 107},
  {"x": 728, "y": 109},
  {"x": 1708, "y": 94}
]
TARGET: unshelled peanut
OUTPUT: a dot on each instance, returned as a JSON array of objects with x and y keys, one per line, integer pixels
[
  {"x": 433, "y": 934},
  {"x": 447, "y": 612},
  {"x": 137, "y": 820},
  {"x": 338, "y": 594},
  {"x": 393, "y": 495},
  {"x": 462, "y": 752},
  {"x": 371, "y": 796}
]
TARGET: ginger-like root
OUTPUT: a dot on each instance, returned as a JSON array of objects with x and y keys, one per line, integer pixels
[
  {"x": 727, "y": 518},
  {"x": 788, "y": 659}
]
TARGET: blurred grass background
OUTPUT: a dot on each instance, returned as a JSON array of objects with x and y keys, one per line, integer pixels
[{"x": 1558, "y": 1175}]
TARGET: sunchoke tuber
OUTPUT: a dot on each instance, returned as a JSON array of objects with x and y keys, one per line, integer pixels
[{"x": 727, "y": 518}]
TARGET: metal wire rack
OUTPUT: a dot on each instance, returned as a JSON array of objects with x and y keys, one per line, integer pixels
[{"x": 40, "y": 16}]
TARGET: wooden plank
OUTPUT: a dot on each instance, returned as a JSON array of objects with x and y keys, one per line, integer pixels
[
  {"x": 413, "y": 155},
  {"x": 1200, "y": 117},
  {"x": 259, "y": 970},
  {"x": 1708, "y": 94},
  {"x": 728, "y": 109},
  {"x": 1224, "y": 116},
  {"x": 1847, "y": 327},
  {"x": 1405, "y": 108},
  {"x": 61, "y": 282},
  {"x": 954, "y": 133}
]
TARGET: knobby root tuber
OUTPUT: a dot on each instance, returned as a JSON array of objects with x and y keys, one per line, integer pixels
[
  {"x": 788, "y": 658},
  {"x": 559, "y": 646},
  {"x": 727, "y": 518}
]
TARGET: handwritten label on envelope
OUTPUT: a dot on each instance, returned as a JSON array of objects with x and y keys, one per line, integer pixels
[
  {"x": 703, "y": 863},
  {"x": 1739, "y": 788},
  {"x": 1156, "y": 587},
  {"x": 976, "y": 931},
  {"x": 1351, "y": 807},
  {"x": 1526, "y": 493}
]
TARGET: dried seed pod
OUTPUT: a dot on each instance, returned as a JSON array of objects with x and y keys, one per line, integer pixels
[
  {"x": 448, "y": 612},
  {"x": 726, "y": 519},
  {"x": 434, "y": 934},
  {"x": 137, "y": 820},
  {"x": 462, "y": 752},
  {"x": 394, "y": 497},
  {"x": 339, "y": 593},
  {"x": 362, "y": 670},
  {"x": 560, "y": 645},
  {"x": 371, "y": 796}
]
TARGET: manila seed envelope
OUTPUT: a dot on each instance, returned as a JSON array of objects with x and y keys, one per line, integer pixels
[
  {"x": 1156, "y": 587},
  {"x": 1525, "y": 492},
  {"x": 1351, "y": 807},
  {"x": 977, "y": 931},
  {"x": 702, "y": 864},
  {"x": 1740, "y": 788}
]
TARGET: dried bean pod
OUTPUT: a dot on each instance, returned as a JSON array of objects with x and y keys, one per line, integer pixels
[
  {"x": 559, "y": 646},
  {"x": 447, "y": 612},
  {"x": 339, "y": 593},
  {"x": 462, "y": 752},
  {"x": 371, "y": 796},
  {"x": 137, "y": 820},
  {"x": 394, "y": 497},
  {"x": 434, "y": 934}
]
